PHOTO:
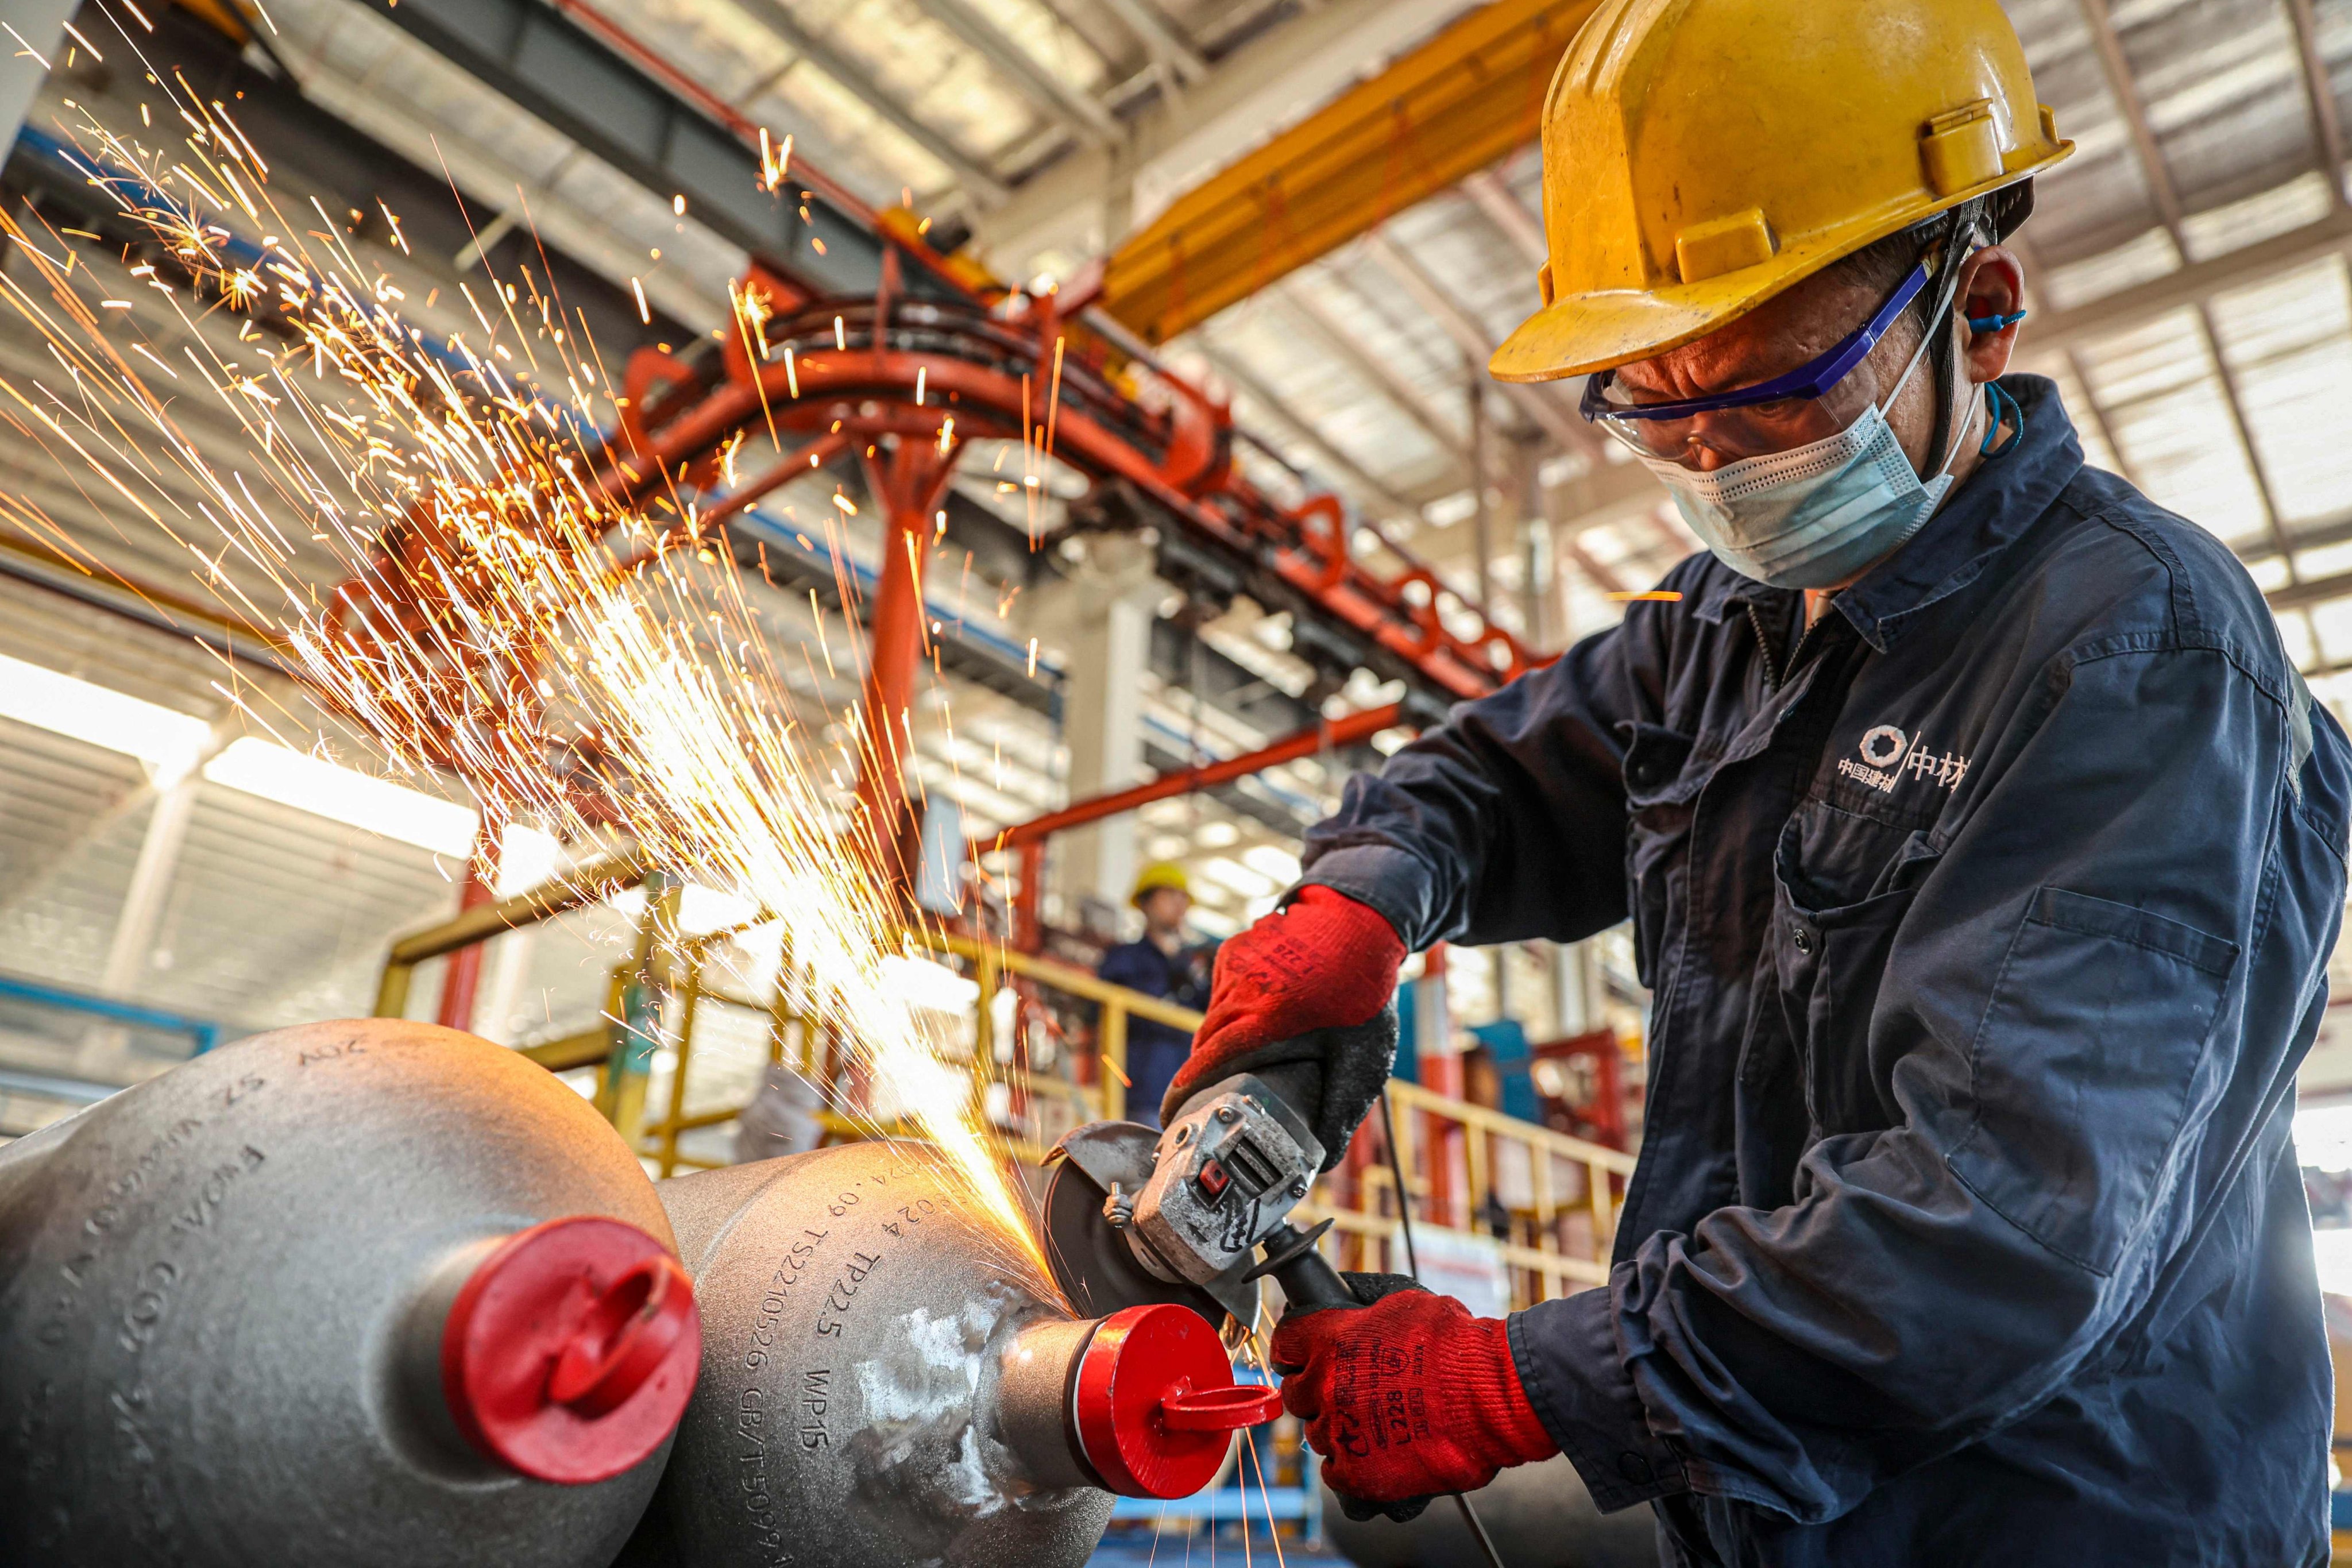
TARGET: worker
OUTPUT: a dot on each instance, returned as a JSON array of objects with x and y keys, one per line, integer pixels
[
  {"x": 1983, "y": 850},
  {"x": 1165, "y": 963}
]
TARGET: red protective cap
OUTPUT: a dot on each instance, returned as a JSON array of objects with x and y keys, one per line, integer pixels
[
  {"x": 571, "y": 1350},
  {"x": 1155, "y": 1403}
]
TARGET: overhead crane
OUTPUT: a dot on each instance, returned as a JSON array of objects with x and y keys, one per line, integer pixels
[
  {"x": 901, "y": 377},
  {"x": 903, "y": 384}
]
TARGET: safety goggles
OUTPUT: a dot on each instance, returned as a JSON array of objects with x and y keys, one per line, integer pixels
[{"x": 1812, "y": 403}]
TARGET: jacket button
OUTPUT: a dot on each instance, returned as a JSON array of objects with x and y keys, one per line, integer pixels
[
  {"x": 1633, "y": 1468},
  {"x": 1801, "y": 937}
]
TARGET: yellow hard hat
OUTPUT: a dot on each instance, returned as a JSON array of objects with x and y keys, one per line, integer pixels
[
  {"x": 1161, "y": 874},
  {"x": 1699, "y": 156}
]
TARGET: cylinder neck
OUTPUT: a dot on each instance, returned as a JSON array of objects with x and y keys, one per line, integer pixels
[{"x": 1032, "y": 1400}]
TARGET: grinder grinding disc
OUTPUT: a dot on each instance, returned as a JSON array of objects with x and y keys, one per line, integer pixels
[{"x": 1093, "y": 1260}]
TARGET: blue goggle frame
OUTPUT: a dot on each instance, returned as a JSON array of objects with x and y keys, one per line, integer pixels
[{"x": 1813, "y": 379}]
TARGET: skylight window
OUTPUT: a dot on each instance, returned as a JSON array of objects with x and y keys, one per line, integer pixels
[
  {"x": 165, "y": 740},
  {"x": 343, "y": 795}
]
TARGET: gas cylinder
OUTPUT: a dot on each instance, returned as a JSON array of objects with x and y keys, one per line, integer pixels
[
  {"x": 890, "y": 1379},
  {"x": 1537, "y": 1516},
  {"x": 355, "y": 1293}
]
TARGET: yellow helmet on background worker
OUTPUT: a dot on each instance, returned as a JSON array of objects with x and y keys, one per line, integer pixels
[
  {"x": 1158, "y": 874},
  {"x": 1699, "y": 156}
]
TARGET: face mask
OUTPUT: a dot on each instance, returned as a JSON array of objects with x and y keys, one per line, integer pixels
[{"x": 1816, "y": 516}]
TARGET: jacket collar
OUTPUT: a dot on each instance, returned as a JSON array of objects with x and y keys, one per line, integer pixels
[
  {"x": 2003, "y": 498},
  {"x": 2006, "y": 495}
]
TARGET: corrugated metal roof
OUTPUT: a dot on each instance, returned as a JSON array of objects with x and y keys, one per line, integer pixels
[{"x": 275, "y": 915}]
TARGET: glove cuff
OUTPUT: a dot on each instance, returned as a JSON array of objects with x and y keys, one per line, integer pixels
[{"x": 1511, "y": 1433}]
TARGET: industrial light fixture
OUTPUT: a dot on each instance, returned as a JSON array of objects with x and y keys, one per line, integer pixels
[
  {"x": 1241, "y": 878},
  {"x": 343, "y": 795},
  {"x": 701, "y": 909},
  {"x": 166, "y": 741},
  {"x": 1272, "y": 860},
  {"x": 169, "y": 743},
  {"x": 526, "y": 858},
  {"x": 1212, "y": 923}
]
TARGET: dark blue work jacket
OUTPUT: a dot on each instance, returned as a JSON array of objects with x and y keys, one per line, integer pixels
[{"x": 1986, "y": 923}]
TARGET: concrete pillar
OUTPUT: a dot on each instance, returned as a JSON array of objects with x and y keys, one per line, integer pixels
[
  {"x": 1482, "y": 528},
  {"x": 1568, "y": 988},
  {"x": 105, "y": 1048},
  {"x": 1438, "y": 1063},
  {"x": 41, "y": 24},
  {"x": 526, "y": 858},
  {"x": 136, "y": 926},
  {"x": 1578, "y": 986},
  {"x": 1118, "y": 213},
  {"x": 1536, "y": 590},
  {"x": 1102, "y": 617},
  {"x": 1440, "y": 1068}
]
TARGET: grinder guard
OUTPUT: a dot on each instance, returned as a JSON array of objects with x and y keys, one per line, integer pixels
[{"x": 1133, "y": 1216}]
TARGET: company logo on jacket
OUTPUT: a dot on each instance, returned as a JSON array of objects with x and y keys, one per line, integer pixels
[{"x": 1888, "y": 753}]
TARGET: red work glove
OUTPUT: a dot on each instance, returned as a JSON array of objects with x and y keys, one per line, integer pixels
[
  {"x": 1408, "y": 1398},
  {"x": 1325, "y": 962}
]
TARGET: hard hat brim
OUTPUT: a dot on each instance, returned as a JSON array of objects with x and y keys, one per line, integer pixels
[{"x": 1577, "y": 334}]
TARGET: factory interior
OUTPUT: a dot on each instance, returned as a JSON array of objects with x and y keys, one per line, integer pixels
[{"x": 660, "y": 638}]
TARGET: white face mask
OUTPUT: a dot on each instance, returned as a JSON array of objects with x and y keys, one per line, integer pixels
[{"x": 1816, "y": 516}]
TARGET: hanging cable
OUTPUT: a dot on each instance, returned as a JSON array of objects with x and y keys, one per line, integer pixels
[{"x": 1413, "y": 1267}]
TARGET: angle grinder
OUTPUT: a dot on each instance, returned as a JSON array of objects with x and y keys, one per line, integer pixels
[{"x": 1136, "y": 1215}]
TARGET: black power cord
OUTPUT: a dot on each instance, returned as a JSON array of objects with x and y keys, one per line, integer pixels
[{"x": 1413, "y": 1267}]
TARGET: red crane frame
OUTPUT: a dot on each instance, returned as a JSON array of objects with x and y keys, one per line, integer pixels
[{"x": 905, "y": 382}]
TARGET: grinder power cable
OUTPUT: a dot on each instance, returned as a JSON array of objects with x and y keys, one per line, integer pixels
[{"x": 1413, "y": 1267}]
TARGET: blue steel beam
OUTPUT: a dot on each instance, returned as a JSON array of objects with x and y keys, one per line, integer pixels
[
  {"x": 204, "y": 1032},
  {"x": 539, "y": 57}
]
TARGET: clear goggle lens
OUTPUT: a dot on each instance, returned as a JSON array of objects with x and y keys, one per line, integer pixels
[
  {"x": 1816, "y": 401},
  {"x": 1712, "y": 437}
]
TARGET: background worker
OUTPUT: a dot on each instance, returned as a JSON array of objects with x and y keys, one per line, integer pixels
[
  {"x": 1983, "y": 849},
  {"x": 1166, "y": 962}
]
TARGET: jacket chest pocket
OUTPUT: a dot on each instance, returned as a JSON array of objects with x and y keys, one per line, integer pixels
[
  {"x": 1842, "y": 886},
  {"x": 1662, "y": 784}
]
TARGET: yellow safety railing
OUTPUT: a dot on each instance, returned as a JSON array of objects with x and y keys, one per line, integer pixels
[
  {"x": 1559, "y": 1222},
  {"x": 1557, "y": 1206},
  {"x": 800, "y": 1028},
  {"x": 1106, "y": 1096},
  {"x": 1469, "y": 1170},
  {"x": 586, "y": 885}
]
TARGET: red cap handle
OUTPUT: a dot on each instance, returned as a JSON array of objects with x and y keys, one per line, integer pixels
[
  {"x": 571, "y": 1350},
  {"x": 1221, "y": 1409},
  {"x": 1149, "y": 1400},
  {"x": 625, "y": 1337}
]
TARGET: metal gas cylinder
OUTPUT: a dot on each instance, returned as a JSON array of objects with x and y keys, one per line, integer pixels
[
  {"x": 888, "y": 1380},
  {"x": 1539, "y": 1516},
  {"x": 360, "y": 1293}
]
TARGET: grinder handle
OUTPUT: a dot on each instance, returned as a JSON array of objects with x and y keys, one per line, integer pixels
[
  {"x": 1300, "y": 1085},
  {"x": 1309, "y": 1283}
]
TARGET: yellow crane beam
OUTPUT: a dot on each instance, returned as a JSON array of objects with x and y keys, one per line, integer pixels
[{"x": 1470, "y": 95}]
